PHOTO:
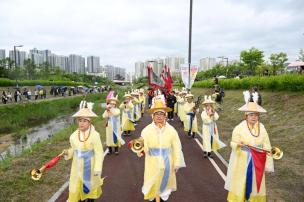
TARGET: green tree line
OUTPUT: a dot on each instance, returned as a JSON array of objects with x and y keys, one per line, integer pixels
[{"x": 44, "y": 71}]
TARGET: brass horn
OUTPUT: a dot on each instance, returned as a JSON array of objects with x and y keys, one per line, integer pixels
[
  {"x": 36, "y": 174},
  {"x": 276, "y": 153},
  {"x": 137, "y": 145}
]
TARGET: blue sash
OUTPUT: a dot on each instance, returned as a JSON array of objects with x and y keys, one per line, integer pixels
[
  {"x": 115, "y": 122},
  {"x": 165, "y": 155},
  {"x": 211, "y": 129},
  {"x": 86, "y": 155},
  {"x": 191, "y": 117}
]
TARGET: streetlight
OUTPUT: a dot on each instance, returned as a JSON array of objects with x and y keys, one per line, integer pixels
[{"x": 16, "y": 61}]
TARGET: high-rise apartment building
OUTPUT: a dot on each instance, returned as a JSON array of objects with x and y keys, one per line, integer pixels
[
  {"x": 20, "y": 57},
  {"x": 2, "y": 54},
  {"x": 207, "y": 63},
  {"x": 93, "y": 63},
  {"x": 174, "y": 64},
  {"x": 76, "y": 64}
]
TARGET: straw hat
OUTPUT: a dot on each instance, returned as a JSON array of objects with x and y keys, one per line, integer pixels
[
  {"x": 189, "y": 96},
  {"x": 135, "y": 93},
  {"x": 113, "y": 100},
  {"x": 85, "y": 113},
  {"x": 252, "y": 107},
  {"x": 127, "y": 95},
  {"x": 159, "y": 106},
  {"x": 208, "y": 100}
]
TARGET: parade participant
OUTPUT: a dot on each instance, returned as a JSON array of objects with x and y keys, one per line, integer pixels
[
  {"x": 244, "y": 181},
  {"x": 176, "y": 94},
  {"x": 87, "y": 154},
  {"x": 163, "y": 155},
  {"x": 150, "y": 94},
  {"x": 113, "y": 132},
  {"x": 181, "y": 102},
  {"x": 190, "y": 120},
  {"x": 136, "y": 106},
  {"x": 211, "y": 141},
  {"x": 171, "y": 100},
  {"x": 127, "y": 121},
  {"x": 158, "y": 96},
  {"x": 142, "y": 100}
]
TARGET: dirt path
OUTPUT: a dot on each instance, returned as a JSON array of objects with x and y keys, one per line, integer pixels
[{"x": 198, "y": 182}]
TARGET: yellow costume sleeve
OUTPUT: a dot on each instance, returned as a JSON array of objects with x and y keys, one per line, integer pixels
[
  {"x": 266, "y": 145},
  {"x": 98, "y": 153},
  {"x": 69, "y": 155},
  {"x": 235, "y": 139},
  {"x": 178, "y": 158}
]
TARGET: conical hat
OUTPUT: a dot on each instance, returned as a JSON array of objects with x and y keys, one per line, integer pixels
[
  {"x": 189, "y": 95},
  {"x": 113, "y": 100},
  {"x": 159, "y": 105},
  {"x": 85, "y": 113},
  {"x": 252, "y": 107},
  {"x": 127, "y": 94},
  {"x": 208, "y": 100}
]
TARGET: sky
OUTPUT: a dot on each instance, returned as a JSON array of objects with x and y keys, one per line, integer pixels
[{"x": 122, "y": 32}]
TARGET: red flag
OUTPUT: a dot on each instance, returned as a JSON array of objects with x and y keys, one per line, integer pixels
[
  {"x": 259, "y": 160},
  {"x": 52, "y": 162}
]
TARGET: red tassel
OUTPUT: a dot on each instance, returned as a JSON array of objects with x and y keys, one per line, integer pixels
[{"x": 52, "y": 162}]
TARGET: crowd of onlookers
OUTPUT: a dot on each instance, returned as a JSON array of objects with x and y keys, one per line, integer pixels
[{"x": 25, "y": 94}]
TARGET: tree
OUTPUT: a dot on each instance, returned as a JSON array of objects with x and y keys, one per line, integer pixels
[
  {"x": 252, "y": 58},
  {"x": 277, "y": 61},
  {"x": 301, "y": 55},
  {"x": 30, "y": 69}
]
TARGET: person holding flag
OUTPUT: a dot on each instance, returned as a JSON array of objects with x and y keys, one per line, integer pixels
[
  {"x": 247, "y": 165},
  {"x": 113, "y": 132},
  {"x": 127, "y": 121},
  {"x": 87, "y": 154}
]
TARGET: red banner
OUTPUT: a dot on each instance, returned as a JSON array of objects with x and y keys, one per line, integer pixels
[{"x": 259, "y": 160}]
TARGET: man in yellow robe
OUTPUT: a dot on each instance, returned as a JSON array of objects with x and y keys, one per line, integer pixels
[
  {"x": 181, "y": 102},
  {"x": 241, "y": 179},
  {"x": 163, "y": 155},
  {"x": 136, "y": 105},
  {"x": 87, "y": 154},
  {"x": 127, "y": 121},
  {"x": 113, "y": 132},
  {"x": 211, "y": 141},
  {"x": 190, "y": 120}
]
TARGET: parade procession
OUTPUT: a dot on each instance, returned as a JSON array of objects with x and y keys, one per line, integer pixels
[{"x": 148, "y": 136}]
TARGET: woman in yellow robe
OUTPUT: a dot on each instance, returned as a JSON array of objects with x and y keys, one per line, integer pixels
[
  {"x": 87, "y": 154},
  {"x": 142, "y": 100},
  {"x": 190, "y": 121},
  {"x": 113, "y": 132},
  {"x": 136, "y": 106},
  {"x": 163, "y": 155},
  {"x": 181, "y": 102},
  {"x": 211, "y": 141},
  {"x": 176, "y": 104},
  {"x": 241, "y": 176},
  {"x": 127, "y": 121}
]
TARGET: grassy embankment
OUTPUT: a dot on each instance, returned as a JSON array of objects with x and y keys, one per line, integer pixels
[
  {"x": 15, "y": 181},
  {"x": 284, "y": 124}
]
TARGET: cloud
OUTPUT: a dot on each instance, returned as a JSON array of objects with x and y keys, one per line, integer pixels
[{"x": 122, "y": 32}]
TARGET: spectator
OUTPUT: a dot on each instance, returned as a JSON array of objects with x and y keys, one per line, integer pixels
[
  {"x": 36, "y": 94},
  {"x": 4, "y": 97}
]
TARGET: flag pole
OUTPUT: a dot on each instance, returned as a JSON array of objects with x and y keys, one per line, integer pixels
[{"x": 189, "y": 49}]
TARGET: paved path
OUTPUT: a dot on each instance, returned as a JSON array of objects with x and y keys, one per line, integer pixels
[{"x": 198, "y": 182}]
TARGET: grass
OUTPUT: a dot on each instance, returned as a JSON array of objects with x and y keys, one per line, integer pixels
[
  {"x": 284, "y": 124},
  {"x": 20, "y": 117},
  {"x": 15, "y": 181}
]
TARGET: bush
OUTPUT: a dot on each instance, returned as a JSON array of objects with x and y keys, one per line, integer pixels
[
  {"x": 285, "y": 82},
  {"x": 8, "y": 82}
]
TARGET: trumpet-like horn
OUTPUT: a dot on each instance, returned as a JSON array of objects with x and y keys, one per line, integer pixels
[
  {"x": 36, "y": 174},
  {"x": 137, "y": 145}
]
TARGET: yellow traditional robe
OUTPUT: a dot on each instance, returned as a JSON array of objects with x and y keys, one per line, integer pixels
[
  {"x": 176, "y": 104},
  {"x": 126, "y": 124},
  {"x": 163, "y": 155},
  {"x": 236, "y": 174},
  {"x": 181, "y": 113},
  {"x": 142, "y": 99},
  {"x": 113, "y": 116},
  {"x": 136, "y": 109},
  {"x": 93, "y": 147},
  {"x": 209, "y": 129},
  {"x": 187, "y": 109}
]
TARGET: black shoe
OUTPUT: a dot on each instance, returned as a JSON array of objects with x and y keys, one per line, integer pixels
[
  {"x": 116, "y": 150},
  {"x": 161, "y": 200},
  {"x": 210, "y": 155},
  {"x": 90, "y": 200},
  {"x": 205, "y": 154},
  {"x": 193, "y": 135},
  {"x": 189, "y": 133},
  {"x": 110, "y": 150}
]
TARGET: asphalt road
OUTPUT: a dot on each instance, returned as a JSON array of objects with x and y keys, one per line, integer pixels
[{"x": 198, "y": 182}]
